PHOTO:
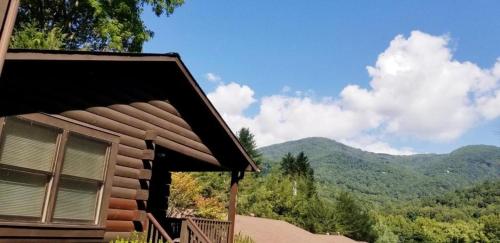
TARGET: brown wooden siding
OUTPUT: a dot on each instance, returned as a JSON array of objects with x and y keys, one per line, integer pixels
[{"x": 134, "y": 124}]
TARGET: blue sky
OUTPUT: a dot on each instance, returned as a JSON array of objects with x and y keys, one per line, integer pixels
[{"x": 316, "y": 50}]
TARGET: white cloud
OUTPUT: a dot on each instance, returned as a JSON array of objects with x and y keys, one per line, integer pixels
[
  {"x": 371, "y": 144},
  {"x": 420, "y": 90},
  {"x": 232, "y": 98},
  {"x": 212, "y": 77},
  {"x": 417, "y": 89}
]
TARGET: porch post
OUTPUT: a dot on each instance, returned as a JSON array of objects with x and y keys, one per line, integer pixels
[{"x": 232, "y": 204}]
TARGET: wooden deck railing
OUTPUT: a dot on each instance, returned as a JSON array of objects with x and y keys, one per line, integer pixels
[
  {"x": 191, "y": 233},
  {"x": 216, "y": 230},
  {"x": 156, "y": 233}
]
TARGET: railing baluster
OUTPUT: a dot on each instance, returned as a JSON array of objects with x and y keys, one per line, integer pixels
[{"x": 156, "y": 233}]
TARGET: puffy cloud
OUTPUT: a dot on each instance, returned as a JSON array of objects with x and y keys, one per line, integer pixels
[
  {"x": 417, "y": 89},
  {"x": 232, "y": 98},
  {"x": 212, "y": 77},
  {"x": 283, "y": 118},
  {"x": 420, "y": 90}
]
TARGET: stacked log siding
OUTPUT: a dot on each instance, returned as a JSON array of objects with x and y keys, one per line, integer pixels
[{"x": 136, "y": 123}]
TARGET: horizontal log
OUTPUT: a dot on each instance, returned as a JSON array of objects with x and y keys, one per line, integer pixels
[
  {"x": 155, "y": 120},
  {"x": 131, "y": 120},
  {"x": 21, "y": 234},
  {"x": 119, "y": 226},
  {"x": 145, "y": 174},
  {"x": 165, "y": 115},
  {"x": 125, "y": 150},
  {"x": 121, "y": 203},
  {"x": 109, "y": 236},
  {"x": 132, "y": 173},
  {"x": 151, "y": 135},
  {"x": 129, "y": 162},
  {"x": 127, "y": 193},
  {"x": 125, "y": 182},
  {"x": 187, "y": 151},
  {"x": 148, "y": 154},
  {"x": 165, "y": 105},
  {"x": 133, "y": 142},
  {"x": 128, "y": 215},
  {"x": 106, "y": 123}
]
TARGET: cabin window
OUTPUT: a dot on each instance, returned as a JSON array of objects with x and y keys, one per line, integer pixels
[
  {"x": 51, "y": 174},
  {"x": 27, "y": 155},
  {"x": 81, "y": 179}
]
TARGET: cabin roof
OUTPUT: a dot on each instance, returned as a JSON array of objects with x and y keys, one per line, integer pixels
[{"x": 58, "y": 81}]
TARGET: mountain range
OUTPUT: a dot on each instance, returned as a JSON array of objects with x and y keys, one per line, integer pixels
[{"x": 380, "y": 178}]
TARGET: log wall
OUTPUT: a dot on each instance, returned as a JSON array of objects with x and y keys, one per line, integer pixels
[{"x": 136, "y": 123}]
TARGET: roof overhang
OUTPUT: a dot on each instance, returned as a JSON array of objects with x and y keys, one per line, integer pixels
[{"x": 57, "y": 81}]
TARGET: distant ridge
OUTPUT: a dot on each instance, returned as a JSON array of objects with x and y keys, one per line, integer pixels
[{"x": 381, "y": 177}]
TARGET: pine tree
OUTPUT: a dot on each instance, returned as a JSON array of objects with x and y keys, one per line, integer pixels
[{"x": 247, "y": 140}]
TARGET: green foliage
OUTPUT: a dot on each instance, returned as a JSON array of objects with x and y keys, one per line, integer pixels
[
  {"x": 186, "y": 194},
  {"x": 491, "y": 225},
  {"x": 352, "y": 219},
  {"x": 467, "y": 215},
  {"x": 28, "y": 36},
  {"x": 135, "y": 237},
  {"x": 382, "y": 178},
  {"x": 93, "y": 24},
  {"x": 297, "y": 166},
  {"x": 247, "y": 140},
  {"x": 288, "y": 193},
  {"x": 412, "y": 202},
  {"x": 241, "y": 238}
]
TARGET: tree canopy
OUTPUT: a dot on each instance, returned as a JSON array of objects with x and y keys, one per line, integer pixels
[
  {"x": 297, "y": 166},
  {"x": 247, "y": 140},
  {"x": 90, "y": 25}
]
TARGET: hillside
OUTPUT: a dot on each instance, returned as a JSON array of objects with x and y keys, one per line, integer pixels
[
  {"x": 466, "y": 215},
  {"x": 381, "y": 177}
]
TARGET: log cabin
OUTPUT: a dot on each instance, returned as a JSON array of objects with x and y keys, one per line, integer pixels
[{"x": 88, "y": 142}]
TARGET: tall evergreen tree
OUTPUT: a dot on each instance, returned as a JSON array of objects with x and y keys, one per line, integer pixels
[
  {"x": 303, "y": 167},
  {"x": 288, "y": 164},
  {"x": 247, "y": 140},
  {"x": 297, "y": 166}
]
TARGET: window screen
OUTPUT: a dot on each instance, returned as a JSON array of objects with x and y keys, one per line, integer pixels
[
  {"x": 76, "y": 200},
  {"x": 81, "y": 179},
  {"x": 25, "y": 144},
  {"x": 22, "y": 193},
  {"x": 84, "y": 158},
  {"x": 27, "y": 153}
]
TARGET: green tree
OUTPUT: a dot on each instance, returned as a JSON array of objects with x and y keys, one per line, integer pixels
[
  {"x": 297, "y": 166},
  {"x": 90, "y": 24},
  {"x": 186, "y": 194},
  {"x": 28, "y": 36},
  {"x": 287, "y": 164},
  {"x": 353, "y": 219},
  {"x": 247, "y": 140},
  {"x": 303, "y": 167}
]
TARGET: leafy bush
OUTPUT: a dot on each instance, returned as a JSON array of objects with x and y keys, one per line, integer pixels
[
  {"x": 241, "y": 238},
  {"x": 135, "y": 237}
]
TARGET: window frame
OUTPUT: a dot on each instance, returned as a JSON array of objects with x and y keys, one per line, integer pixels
[{"x": 65, "y": 128}]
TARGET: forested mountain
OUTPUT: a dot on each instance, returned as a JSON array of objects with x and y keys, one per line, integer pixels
[
  {"x": 465, "y": 215},
  {"x": 326, "y": 187},
  {"x": 382, "y": 177}
]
